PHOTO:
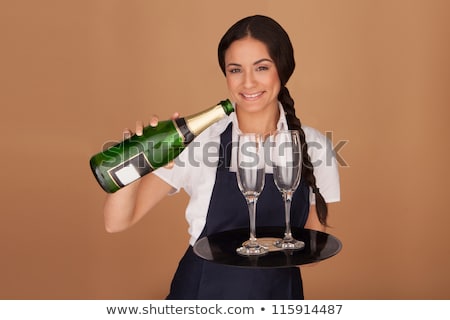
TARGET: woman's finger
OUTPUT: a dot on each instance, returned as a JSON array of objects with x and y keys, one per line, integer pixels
[
  {"x": 154, "y": 121},
  {"x": 127, "y": 133},
  {"x": 139, "y": 127},
  {"x": 169, "y": 165}
]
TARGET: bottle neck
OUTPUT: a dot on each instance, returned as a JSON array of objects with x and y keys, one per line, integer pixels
[{"x": 200, "y": 121}]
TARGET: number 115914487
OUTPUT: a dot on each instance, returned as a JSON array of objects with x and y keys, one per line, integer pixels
[{"x": 306, "y": 309}]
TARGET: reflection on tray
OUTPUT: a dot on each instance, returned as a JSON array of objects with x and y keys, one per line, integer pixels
[{"x": 268, "y": 242}]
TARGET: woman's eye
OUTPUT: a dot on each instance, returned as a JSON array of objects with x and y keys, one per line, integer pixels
[
  {"x": 234, "y": 70},
  {"x": 262, "y": 68}
]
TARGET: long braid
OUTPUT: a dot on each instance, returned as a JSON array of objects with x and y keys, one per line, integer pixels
[{"x": 307, "y": 168}]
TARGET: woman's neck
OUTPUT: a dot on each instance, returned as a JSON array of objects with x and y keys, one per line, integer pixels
[{"x": 258, "y": 122}]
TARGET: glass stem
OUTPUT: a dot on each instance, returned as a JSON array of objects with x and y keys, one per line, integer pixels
[
  {"x": 287, "y": 208},
  {"x": 252, "y": 213}
]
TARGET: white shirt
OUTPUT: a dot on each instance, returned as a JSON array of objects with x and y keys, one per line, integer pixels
[{"x": 195, "y": 169}]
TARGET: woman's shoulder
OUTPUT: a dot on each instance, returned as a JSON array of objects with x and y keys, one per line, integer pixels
[
  {"x": 319, "y": 145},
  {"x": 313, "y": 134}
]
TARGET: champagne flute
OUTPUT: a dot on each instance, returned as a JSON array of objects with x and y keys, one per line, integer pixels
[
  {"x": 287, "y": 167},
  {"x": 250, "y": 177}
]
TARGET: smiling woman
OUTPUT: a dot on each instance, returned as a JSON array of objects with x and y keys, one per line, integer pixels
[
  {"x": 256, "y": 57},
  {"x": 269, "y": 38}
]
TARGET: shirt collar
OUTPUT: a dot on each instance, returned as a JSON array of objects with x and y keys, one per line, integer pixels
[{"x": 282, "y": 122}]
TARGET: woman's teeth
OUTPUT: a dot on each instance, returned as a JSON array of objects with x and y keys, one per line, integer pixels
[{"x": 251, "y": 96}]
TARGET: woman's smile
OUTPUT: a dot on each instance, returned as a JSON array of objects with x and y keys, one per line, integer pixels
[{"x": 252, "y": 96}]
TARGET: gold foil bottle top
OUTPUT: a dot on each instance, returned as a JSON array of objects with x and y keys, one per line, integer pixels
[{"x": 200, "y": 121}]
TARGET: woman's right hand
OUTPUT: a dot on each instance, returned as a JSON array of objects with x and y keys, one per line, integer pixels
[{"x": 139, "y": 129}]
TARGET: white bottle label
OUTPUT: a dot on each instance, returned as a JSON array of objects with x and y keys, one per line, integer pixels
[
  {"x": 130, "y": 170},
  {"x": 127, "y": 174}
]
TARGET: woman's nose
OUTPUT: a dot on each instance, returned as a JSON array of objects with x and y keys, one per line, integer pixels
[{"x": 249, "y": 80}]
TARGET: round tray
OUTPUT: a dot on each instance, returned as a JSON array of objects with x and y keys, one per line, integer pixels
[{"x": 221, "y": 248}]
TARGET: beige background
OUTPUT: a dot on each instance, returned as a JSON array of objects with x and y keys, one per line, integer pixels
[{"x": 74, "y": 73}]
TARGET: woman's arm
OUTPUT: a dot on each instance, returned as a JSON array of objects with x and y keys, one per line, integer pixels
[{"x": 125, "y": 207}]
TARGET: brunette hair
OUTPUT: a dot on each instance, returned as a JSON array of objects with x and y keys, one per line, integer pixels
[{"x": 272, "y": 34}]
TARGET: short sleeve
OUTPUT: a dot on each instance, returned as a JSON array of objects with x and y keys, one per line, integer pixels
[
  {"x": 325, "y": 165},
  {"x": 175, "y": 176}
]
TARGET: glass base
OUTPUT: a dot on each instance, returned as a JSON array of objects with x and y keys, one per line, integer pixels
[
  {"x": 291, "y": 244},
  {"x": 255, "y": 250}
]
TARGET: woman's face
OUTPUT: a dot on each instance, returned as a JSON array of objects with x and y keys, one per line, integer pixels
[{"x": 252, "y": 76}]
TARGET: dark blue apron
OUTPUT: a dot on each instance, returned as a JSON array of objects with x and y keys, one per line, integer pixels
[{"x": 196, "y": 278}]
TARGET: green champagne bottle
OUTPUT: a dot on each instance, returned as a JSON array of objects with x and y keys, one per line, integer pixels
[{"x": 131, "y": 159}]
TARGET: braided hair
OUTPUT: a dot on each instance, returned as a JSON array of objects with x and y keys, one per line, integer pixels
[{"x": 280, "y": 48}]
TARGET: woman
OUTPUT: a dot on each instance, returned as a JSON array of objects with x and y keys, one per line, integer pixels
[{"x": 256, "y": 57}]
